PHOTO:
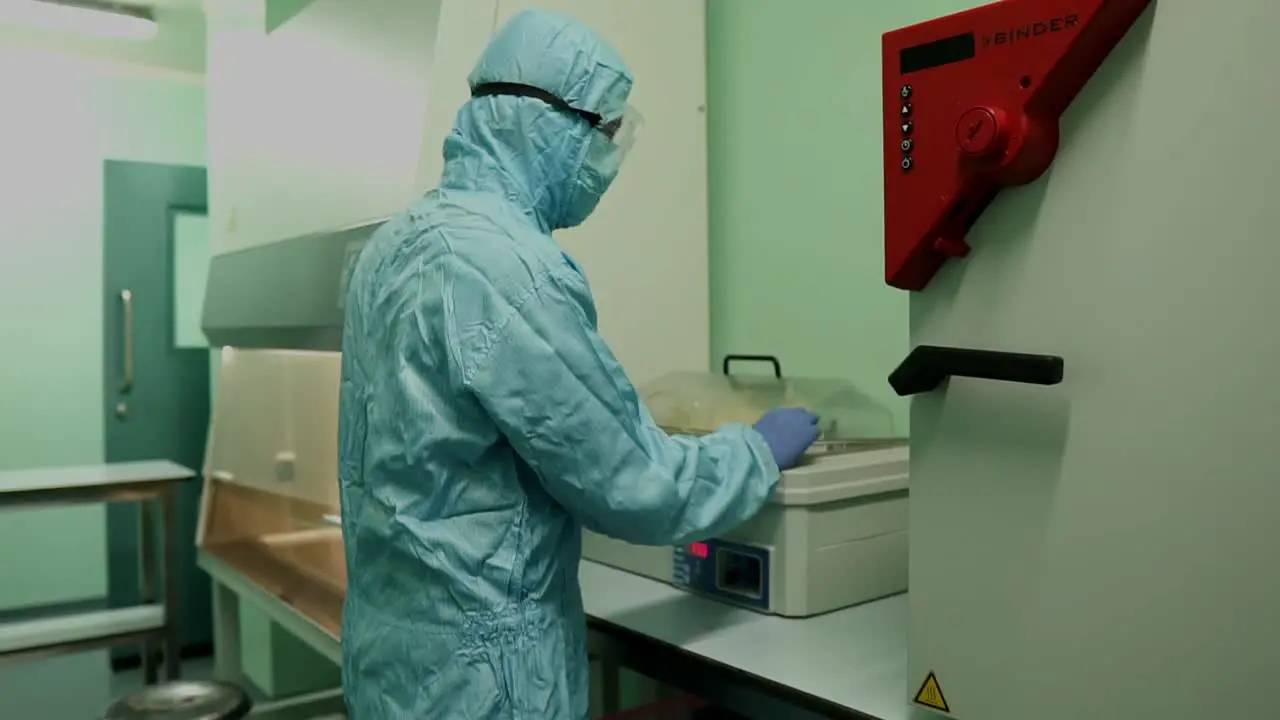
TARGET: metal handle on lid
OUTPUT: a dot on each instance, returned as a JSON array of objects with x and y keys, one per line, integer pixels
[{"x": 777, "y": 366}]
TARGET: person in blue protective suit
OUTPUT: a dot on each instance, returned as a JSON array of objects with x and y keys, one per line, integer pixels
[{"x": 483, "y": 420}]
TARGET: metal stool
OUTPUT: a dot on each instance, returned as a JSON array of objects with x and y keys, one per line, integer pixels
[{"x": 183, "y": 700}]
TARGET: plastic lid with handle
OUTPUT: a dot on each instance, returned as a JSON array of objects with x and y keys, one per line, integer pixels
[{"x": 692, "y": 403}]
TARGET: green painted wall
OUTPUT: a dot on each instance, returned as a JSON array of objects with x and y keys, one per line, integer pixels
[
  {"x": 796, "y": 184},
  {"x": 278, "y": 663},
  {"x": 62, "y": 117}
]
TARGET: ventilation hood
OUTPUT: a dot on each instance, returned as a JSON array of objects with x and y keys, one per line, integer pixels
[{"x": 286, "y": 294}]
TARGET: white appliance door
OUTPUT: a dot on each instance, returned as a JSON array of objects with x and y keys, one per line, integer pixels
[{"x": 1107, "y": 548}]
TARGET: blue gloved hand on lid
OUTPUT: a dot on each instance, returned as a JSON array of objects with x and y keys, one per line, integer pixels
[{"x": 789, "y": 432}]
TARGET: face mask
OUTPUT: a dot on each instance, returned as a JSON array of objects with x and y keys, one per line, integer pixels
[{"x": 600, "y": 166}]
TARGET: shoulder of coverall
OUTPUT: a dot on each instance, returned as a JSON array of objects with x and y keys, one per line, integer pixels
[
  {"x": 491, "y": 282},
  {"x": 557, "y": 53}
]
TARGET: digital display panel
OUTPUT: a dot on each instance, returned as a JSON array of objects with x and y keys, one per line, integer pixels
[{"x": 954, "y": 49}]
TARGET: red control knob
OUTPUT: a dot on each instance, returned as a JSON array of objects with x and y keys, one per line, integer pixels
[{"x": 978, "y": 132}]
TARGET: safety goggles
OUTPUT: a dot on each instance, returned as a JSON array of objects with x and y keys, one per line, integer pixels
[{"x": 622, "y": 130}]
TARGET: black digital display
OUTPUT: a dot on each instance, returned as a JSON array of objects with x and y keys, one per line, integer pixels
[{"x": 954, "y": 49}]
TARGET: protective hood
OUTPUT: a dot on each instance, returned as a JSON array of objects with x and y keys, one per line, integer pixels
[{"x": 552, "y": 164}]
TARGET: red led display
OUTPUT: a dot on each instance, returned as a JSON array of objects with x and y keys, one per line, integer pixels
[{"x": 699, "y": 550}]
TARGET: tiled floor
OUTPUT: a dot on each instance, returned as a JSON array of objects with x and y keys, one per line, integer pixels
[
  {"x": 74, "y": 687},
  {"x": 71, "y": 687}
]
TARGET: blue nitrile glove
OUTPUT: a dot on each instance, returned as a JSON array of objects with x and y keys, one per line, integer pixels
[{"x": 789, "y": 432}]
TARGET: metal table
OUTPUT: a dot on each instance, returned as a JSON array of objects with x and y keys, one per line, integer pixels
[
  {"x": 847, "y": 664},
  {"x": 153, "y": 623}
]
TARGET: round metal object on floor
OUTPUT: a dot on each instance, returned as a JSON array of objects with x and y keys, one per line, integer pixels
[{"x": 183, "y": 700}]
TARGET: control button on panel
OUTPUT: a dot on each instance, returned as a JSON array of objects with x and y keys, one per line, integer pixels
[
  {"x": 907, "y": 163},
  {"x": 907, "y": 145},
  {"x": 905, "y": 92},
  {"x": 907, "y": 109}
]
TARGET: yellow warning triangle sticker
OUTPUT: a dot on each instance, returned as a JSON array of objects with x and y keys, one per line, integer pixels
[{"x": 930, "y": 695}]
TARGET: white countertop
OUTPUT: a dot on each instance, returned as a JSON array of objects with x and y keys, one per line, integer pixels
[
  {"x": 81, "y": 477},
  {"x": 855, "y": 657}
]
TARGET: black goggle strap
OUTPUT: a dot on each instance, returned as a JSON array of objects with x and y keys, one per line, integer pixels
[{"x": 521, "y": 90}]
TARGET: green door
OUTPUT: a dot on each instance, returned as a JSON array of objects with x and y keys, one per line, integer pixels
[{"x": 153, "y": 254}]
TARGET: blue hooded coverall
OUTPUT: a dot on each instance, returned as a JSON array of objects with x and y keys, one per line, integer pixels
[{"x": 483, "y": 420}]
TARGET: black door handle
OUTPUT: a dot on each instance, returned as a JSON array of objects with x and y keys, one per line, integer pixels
[{"x": 926, "y": 366}]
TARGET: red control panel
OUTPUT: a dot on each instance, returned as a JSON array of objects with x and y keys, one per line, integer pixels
[{"x": 971, "y": 105}]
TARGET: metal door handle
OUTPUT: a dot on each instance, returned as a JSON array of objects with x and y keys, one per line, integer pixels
[
  {"x": 927, "y": 366},
  {"x": 126, "y": 340}
]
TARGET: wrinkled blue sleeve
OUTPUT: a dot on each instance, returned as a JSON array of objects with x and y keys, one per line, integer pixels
[{"x": 561, "y": 398}]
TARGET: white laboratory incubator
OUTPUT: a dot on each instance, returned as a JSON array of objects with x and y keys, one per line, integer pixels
[
  {"x": 834, "y": 534},
  {"x": 1095, "y": 470}
]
